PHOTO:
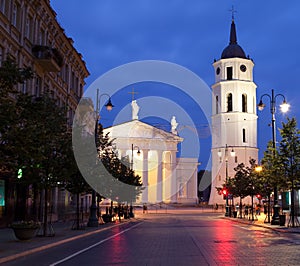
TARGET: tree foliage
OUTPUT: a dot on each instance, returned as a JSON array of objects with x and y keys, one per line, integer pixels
[
  {"x": 119, "y": 169},
  {"x": 40, "y": 138},
  {"x": 10, "y": 76},
  {"x": 246, "y": 181},
  {"x": 289, "y": 151}
]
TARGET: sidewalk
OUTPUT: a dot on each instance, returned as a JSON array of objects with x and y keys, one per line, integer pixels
[{"x": 261, "y": 220}]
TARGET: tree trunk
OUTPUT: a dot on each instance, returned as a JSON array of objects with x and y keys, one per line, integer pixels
[
  {"x": 45, "y": 213},
  {"x": 77, "y": 212},
  {"x": 20, "y": 210},
  {"x": 241, "y": 208}
]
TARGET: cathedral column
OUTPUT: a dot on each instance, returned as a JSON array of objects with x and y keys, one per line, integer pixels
[
  {"x": 145, "y": 176},
  {"x": 159, "y": 185},
  {"x": 173, "y": 178}
]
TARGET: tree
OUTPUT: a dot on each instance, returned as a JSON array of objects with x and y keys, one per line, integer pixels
[
  {"x": 73, "y": 179},
  {"x": 127, "y": 185},
  {"x": 272, "y": 174},
  {"x": 98, "y": 160},
  {"x": 41, "y": 138},
  {"x": 289, "y": 154},
  {"x": 245, "y": 182},
  {"x": 10, "y": 76}
]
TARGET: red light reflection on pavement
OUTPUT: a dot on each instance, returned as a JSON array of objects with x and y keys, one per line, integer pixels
[
  {"x": 224, "y": 244},
  {"x": 118, "y": 247}
]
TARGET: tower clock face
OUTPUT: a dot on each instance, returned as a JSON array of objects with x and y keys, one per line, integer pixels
[
  {"x": 218, "y": 71},
  {"x": 243, "y": 68}
]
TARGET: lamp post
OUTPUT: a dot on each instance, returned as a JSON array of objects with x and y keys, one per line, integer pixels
[
  {"x": 252, "y": 202},
  {"x": 284, "y": 108},
  {"x": 93, "y": 220},
  {"x": 138, "y": 153},
  {"x": 232, "y": 153}
]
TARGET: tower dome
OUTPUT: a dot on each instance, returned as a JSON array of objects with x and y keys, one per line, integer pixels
[{"x": 233, "y": 49}]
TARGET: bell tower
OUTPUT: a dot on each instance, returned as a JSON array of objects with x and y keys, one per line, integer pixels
[{"x": 234, "y": 119}]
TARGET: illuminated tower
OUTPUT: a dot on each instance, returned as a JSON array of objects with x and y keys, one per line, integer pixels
[{"x": 234, "y": 119}]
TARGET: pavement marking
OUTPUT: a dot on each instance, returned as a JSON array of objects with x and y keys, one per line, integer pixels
[{"x": 94, "y": 245}]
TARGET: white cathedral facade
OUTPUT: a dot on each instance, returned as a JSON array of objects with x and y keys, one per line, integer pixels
[
  {"x": 153, "y": 156},
  {"x": 234, "y": 118}
]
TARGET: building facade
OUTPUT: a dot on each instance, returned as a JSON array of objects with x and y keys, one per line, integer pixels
[
  {"x": 234, "y": 119},
  {"x": 31, "y": 35}
]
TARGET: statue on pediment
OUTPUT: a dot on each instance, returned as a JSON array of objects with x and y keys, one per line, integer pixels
[
  {"x": 174, "y": 125},
  {"x": 135, "y": 110}
]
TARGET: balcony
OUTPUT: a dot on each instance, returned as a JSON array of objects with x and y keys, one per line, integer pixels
[{"x": 48, "y": 58}]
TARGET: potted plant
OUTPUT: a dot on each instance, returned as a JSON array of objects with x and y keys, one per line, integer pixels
[{"x": 25, "y": 230}]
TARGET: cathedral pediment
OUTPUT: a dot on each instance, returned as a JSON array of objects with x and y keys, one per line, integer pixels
[{"x": 140, "y": 130}]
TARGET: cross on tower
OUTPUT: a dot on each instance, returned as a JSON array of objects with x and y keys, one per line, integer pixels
[
  {"x": 232, "y": 12},
  {"x": 132, "y": 93}
]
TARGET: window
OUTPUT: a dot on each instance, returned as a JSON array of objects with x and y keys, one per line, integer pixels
[
  {"x": 2, "y": 6},
  {"x": 81, "y": 90},
  {"x": 229, "y": 102},
  {"x": 38, "y": 85},
  {"x": 14, "y": 15},
  {"x": 244, "y": 135},
  {"x": 76, "y": 85},
  {"x": 73, "y": 81},
  {"x": 28, "y": 28},
  {"x": 217, "y": 104},
  {"x": 41, "y": 38},
  {"x": 67, "y": 74},
  {"x": 244, "y": 103},
  {"x": 229, "y": 73},
  {"x": 24, "y": 87}
]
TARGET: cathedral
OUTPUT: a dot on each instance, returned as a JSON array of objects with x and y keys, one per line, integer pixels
[
  {"x": 234, "y": 118},
  {"x": 153, "y": 156}
]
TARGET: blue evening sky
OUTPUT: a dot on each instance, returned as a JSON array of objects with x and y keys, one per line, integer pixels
[{"x": 192, "y": 34}]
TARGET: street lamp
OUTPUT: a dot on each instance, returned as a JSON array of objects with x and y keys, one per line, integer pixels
[
  {"x": 138, "y": 153},
  {"x": 93, "y": 220},
  {"x": 232, "y": 153},
  {"x": 284, "y": 108}
]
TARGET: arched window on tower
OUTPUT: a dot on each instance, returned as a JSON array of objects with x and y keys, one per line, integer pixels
[
  {"x": 244, "y": 135},
  {"x": 229, "y": 102},
  {"x": 244, "y": 103},
  {"x": 217, "y": 104}
]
